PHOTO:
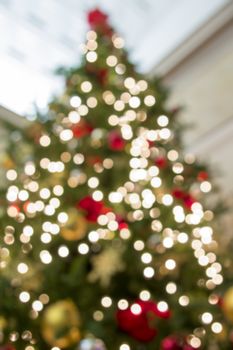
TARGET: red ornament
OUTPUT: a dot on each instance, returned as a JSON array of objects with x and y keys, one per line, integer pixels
[
  {"x": 121, "y": 222},
  {"x": 175, "y": 343},
  {"x": 82, "y": 129},
  {"x": 141, "y": 324},
  {"x": 97, "y": 18},
  {"x": 7, "y": 347},
  {"x": 202, "y": 176},
  {"x": 188, "y": 201},
  {"x": 92, "y": 160},
  {"x": 100, "y": 74},
  {"x": 175, "y": 110},
  {"x": 150, "y": 143},
  {"x": 171, "y": 343},
  {"x": 115, "y": 141},
  {"x": 220, "y": 301},
  {"x": 98, "y": 21},
  {"x": 161, "y": 162},
  {"x": 186, "y": 198},
  {"x": 92, "y": 208}
]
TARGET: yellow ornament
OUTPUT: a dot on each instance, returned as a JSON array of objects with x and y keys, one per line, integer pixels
[
  {"x": 3, "y": 323},
  {"x": 60, "y": 324},
  {"x": 227, "y": 304},
  {"x": 8, "y": 163},
  {"x": 76, "y": 226}
]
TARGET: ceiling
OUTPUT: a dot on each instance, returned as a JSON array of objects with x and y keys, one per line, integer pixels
[{"x": 41, "y": 35}]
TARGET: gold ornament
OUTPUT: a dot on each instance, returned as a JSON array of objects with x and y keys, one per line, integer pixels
[
  {"x": 30, "y": 281},
  {"x": 227, "y": 305},
  {"x": 76, "y": 226},
  {"x": 106, "y": 265},
  {"x": 3, "y": 323},
  {"x": 8, "y": 163},
  {"x": 60, "y": 324}
]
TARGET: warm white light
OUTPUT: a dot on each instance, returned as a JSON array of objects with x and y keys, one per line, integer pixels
[
  {"x": 139, "y": 245},
  {"x": 23, "y": 195},
  {"x": 83, "y": 248},
  {"x": 156, "y": 182},
  {"x": 111, "y": 61},
  {"x": 217, "y": 327},
  {"x": 144, "y": 295},
  {"x": 184, "y": 300},
  {"x": 129, "y": 82},
  {"x": 162, "y": 120},
  {"x": 149, "y": 272},
  {"x": 195, "y": 343},
  {"x": 11, "y": 175},
  {"x": 136, "y": 309},
  {"x": 91, "y": 56},
  {"x": 170, "y": 264},
  {"x": 24, "y": 297},
  {"x": 123, "y": 304},
  {"x": 28, "y": 230},
  {"x": 62, "y": 218},
  {"x": 124, "y": 347},
  {"x": 93, "y": 236},
  {"x": 146, "y": 258},
  {"x": 93, "y": 182},
  {"x": 168, "y": 242},
  {"x": 106, "y": 301},
  {"x": 167, "y": 199},
  {"x": 153, "y": 170},
  {"x": 162, "y": 306},
  {"x": 75, "y": 101},
  {"x": 134, "y": 102},
  {"x": 74, "y": 117},
  {"x": 63, "y": 251},
  {"x": 29, "y": 168},
  {"x": 45, "y": 257},
  {"x": 173, "y": 155},
  {"x": 45, "y": 141},
  {"x": 119, "y": 44},
  {"x": 45, "y": 193},
  {"x": 182, "y": 237},
  {"x": 115, "y": 197},
  {"x": 22, "y": 268},
  {"x": 66, "y": 135},
  {"x": 46, "y": 238},
  {"x": 37, "y": 305},
  {"x": 207, "y": 318},
  {"x": 205, "y": 186},
  {"x": 92, "y": 102},
  {"x": 171, "y": 288},
  {"x": 97, "y": 195},
  {"x": 86, "y": 86},
  {"x": 165, "y": 133}
]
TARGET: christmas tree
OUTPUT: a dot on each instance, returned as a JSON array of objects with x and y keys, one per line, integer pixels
[{"x": 106, "y": 236}]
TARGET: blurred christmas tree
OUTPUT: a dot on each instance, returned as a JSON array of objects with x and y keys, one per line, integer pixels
[{"x": 106, "y": 240}]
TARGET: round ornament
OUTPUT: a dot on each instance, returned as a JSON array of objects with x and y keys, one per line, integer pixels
[
  {"x": 76, "y": 226},
  {"x": 60, "y": 324},
  {"x": 139, "y": 320},
  {"x": 227, "y": 304},
  {"x": 7, "y": 347},
  {"x": 3, "y": 322},
  {"x": 91, "y": 344}
]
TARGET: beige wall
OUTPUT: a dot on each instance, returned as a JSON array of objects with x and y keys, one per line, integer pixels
[{"x": 203, "y": 83}]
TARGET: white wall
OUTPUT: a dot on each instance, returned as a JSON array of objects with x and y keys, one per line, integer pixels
[{"x": 203, "y": 83}]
